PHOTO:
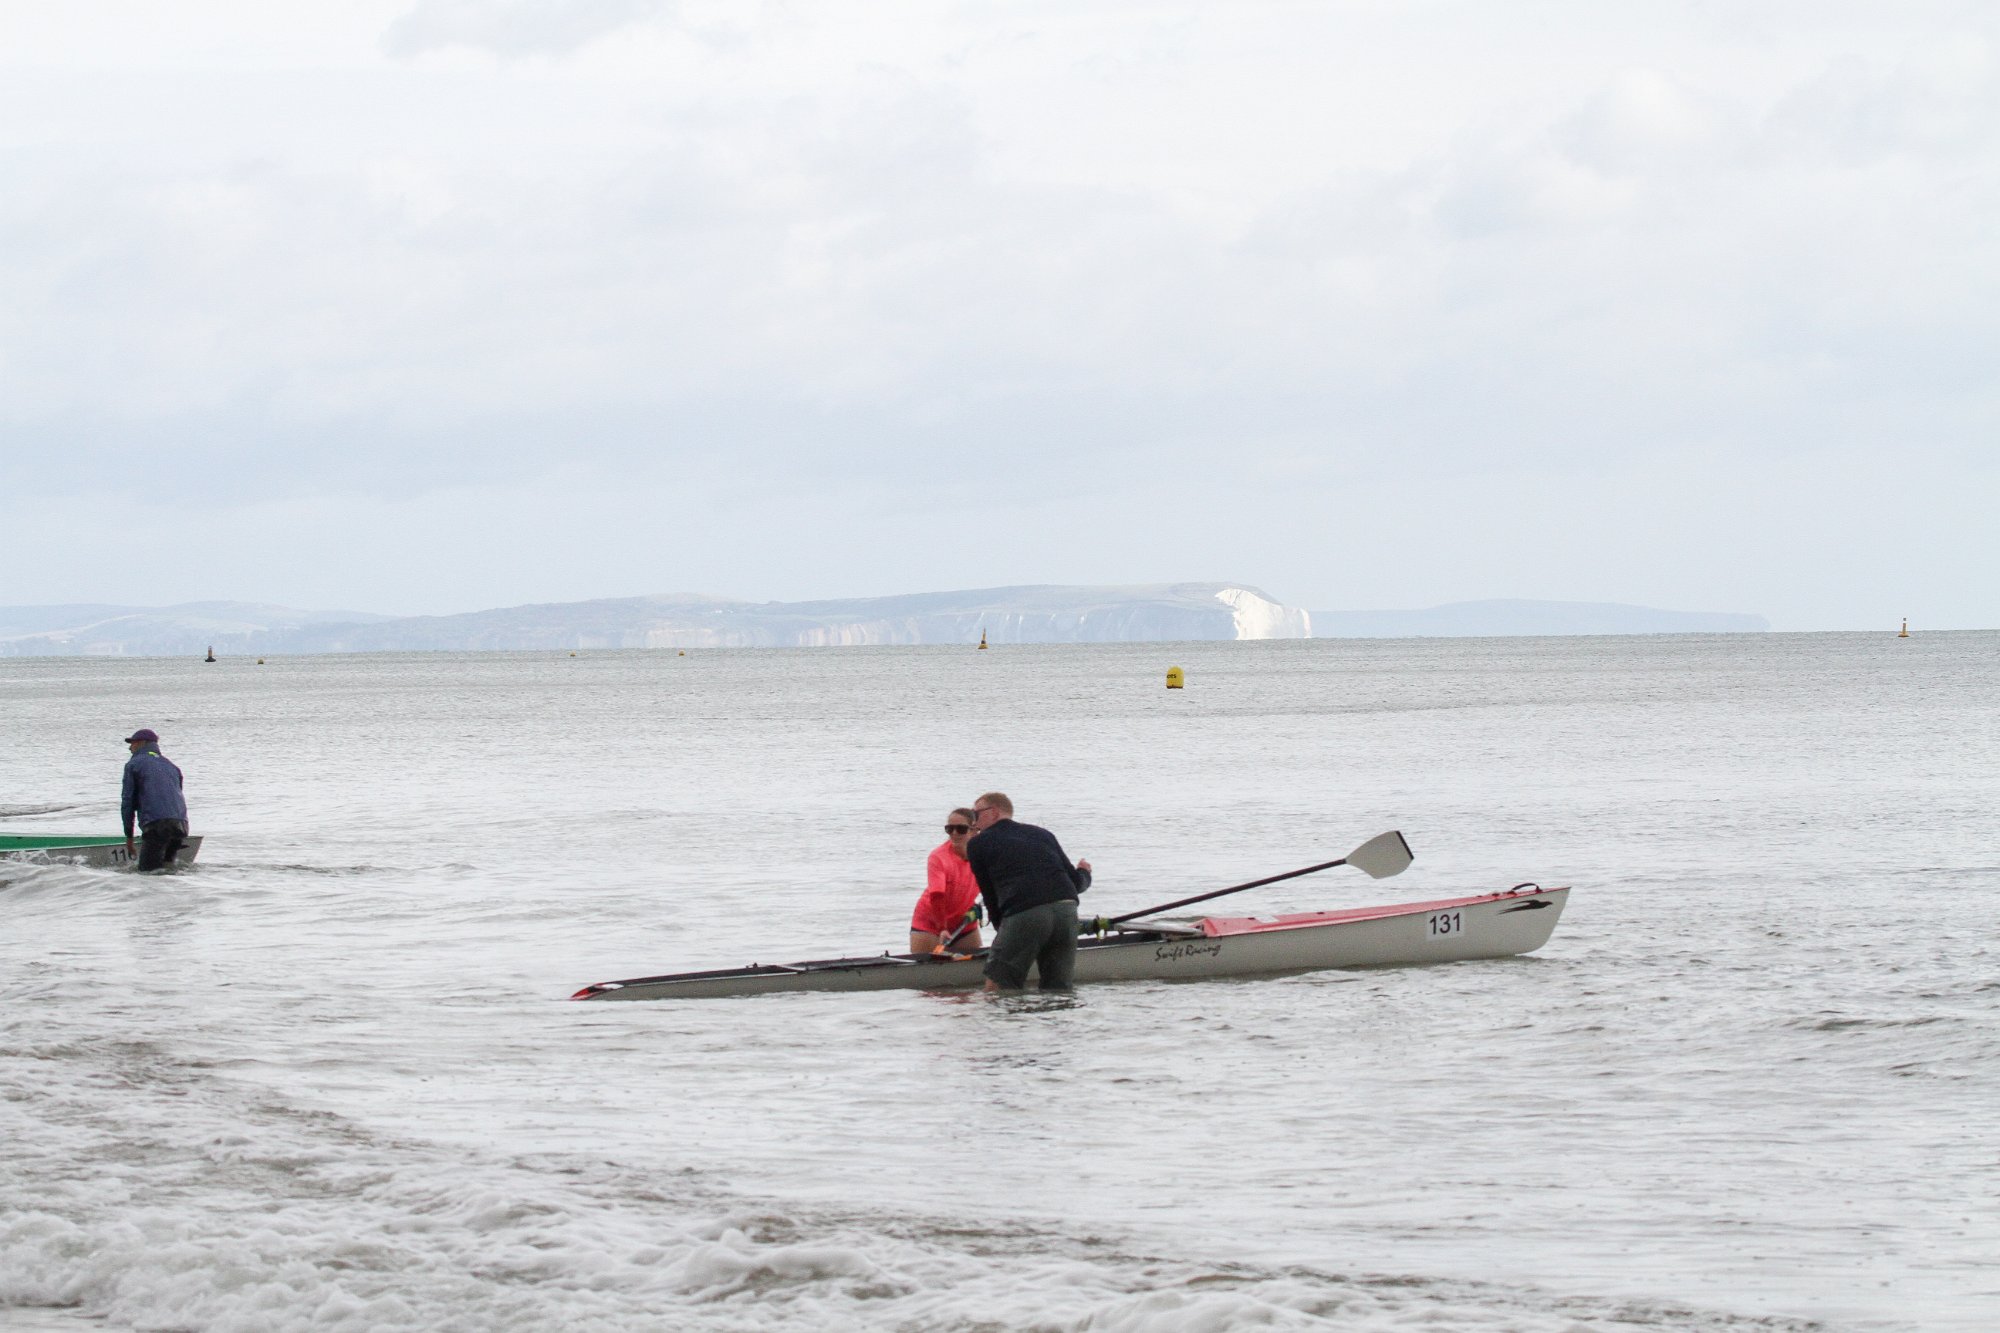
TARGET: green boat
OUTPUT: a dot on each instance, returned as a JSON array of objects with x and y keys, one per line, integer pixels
[{"x": 90, "y": 850}]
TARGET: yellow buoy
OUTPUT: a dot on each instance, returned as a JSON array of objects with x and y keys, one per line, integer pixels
[
  {"x": 1906, "y": 628},
  {"x": 260, "y": 661},
  {"x": 683, "y": 652},
  {"x": 1174, "y": 678},
  {"x": 982, "y": 638}
]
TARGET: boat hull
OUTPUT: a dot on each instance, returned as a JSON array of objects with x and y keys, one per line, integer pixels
[
  {"x": 1497, "y": 925},
  {"x": 81, "y": 850}
]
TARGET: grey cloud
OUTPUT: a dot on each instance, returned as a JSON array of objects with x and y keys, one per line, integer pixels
[
  {"x": 333, "y": 341},
  {"x": 1641, "y": 120},
  {"x": 1859, "y": 111}
]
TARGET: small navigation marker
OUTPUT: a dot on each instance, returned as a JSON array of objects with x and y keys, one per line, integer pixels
[
  {"x": 982, "y": 638},
  {"x": 1906, "y": 628},
  {"x": 1175, "y": 680},
  {"x": 211, "y": 654}
]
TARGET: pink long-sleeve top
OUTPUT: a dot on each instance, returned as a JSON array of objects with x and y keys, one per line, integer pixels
[{"x": 948, "y": 896}]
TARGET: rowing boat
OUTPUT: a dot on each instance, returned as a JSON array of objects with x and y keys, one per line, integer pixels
[
  {"x": 89, "y": 850},
  {"x": 1486, "y": 925}
]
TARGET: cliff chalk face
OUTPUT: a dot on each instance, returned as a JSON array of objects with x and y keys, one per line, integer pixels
[{"x": 1258, "y": 617}]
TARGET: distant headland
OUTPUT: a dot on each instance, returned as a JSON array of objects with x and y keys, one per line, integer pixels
[{"x": 1164, "y": 612}]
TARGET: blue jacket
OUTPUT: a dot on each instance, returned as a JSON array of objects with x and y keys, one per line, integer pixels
[
  {"x": 152, "y": 790},
  {"x": 1020, "y": 866}
]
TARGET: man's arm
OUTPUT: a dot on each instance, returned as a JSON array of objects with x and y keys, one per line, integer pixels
[
  {"x": 980, "y": 877},
  {"x": 1079, "y": 874},
  {"x": 128, "y": 800}
]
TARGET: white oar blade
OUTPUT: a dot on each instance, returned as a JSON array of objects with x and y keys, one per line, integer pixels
[{"x": 1382, "y": 856}]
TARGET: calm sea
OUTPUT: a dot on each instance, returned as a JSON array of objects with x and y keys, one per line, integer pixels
[{"x": 328, "y": 1078}]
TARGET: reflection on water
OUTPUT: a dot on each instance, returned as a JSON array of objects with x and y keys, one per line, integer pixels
[{"x": 1033, "y": 1002}]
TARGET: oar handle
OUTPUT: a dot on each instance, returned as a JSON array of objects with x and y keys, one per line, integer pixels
[
  {"x": 971, "y": 919},
  {"x": 1217, "y": 893}
]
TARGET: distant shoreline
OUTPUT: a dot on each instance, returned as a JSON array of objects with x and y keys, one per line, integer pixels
[
  {"x": 1149, "y": 613},
  {"x": 239, "y": 659}
]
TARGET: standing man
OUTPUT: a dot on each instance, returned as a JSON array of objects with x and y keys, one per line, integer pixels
[
  {"x": 152, "y": 795},
  {"x": 1030, "y": 890}
]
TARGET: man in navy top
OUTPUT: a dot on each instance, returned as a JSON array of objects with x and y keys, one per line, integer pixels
[
  {"x": 152, "y": 796},
  {"x": 1030, "y": 890}
]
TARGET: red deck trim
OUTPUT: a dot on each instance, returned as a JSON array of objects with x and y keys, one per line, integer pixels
[{"x": 1246, "y": 925}]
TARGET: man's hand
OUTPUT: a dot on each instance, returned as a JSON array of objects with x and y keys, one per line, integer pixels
[
  {"x": 128, "y": 844},
  {"x": 1083, "y": 865}
]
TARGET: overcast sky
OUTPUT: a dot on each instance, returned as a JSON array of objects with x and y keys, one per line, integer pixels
[{"x": 435, "y": 305}]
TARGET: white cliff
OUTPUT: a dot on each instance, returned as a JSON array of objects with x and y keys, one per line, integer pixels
[{"x": 1258, "y": 617}]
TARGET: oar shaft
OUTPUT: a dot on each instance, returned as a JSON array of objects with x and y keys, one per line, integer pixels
[
  {"x": 1217, "y": 893},
  {"x": 965, "y": 925}
]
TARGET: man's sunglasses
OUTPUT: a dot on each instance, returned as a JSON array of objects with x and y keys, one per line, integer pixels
[{"x": 958, "y": 828}]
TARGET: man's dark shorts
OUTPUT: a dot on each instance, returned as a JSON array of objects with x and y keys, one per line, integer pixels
[
  {"x": 160, "y": 842},
  {"x": 1043, "y": 938}
]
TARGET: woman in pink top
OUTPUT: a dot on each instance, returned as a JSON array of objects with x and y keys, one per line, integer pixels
[{"x": 950, "y": 892}]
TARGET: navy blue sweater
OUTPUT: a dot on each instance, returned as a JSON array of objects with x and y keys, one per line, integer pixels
[{"x": 1019, "y": 866}]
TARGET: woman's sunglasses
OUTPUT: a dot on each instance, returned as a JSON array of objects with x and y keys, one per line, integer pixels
[{"x": 958, "y": 828}]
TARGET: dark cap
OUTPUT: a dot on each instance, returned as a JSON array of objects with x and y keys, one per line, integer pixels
[{"x": 146, "y": 734}]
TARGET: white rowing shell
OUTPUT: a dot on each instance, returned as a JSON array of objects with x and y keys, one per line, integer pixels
[{"x": 1492, "y": 925}]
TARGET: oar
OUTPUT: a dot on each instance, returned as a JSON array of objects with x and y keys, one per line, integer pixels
[
  {"x": 965, "y": 924},
  {"x": 1381, "y": 856}
]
